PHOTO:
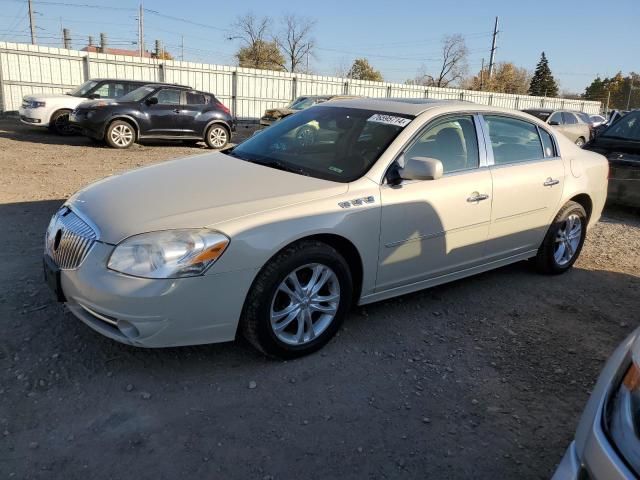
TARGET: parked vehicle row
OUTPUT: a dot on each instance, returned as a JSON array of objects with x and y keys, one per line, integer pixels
[
  {"x": 272, "y": 115},
  {"x": 121, "y": 112},
  {"x": 576, "y": 126}
]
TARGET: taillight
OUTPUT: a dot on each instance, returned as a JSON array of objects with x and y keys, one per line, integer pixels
[{"x": 224, "y": 108}]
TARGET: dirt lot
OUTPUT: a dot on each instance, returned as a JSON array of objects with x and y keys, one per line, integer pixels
[{"x": 482, "y": 378}]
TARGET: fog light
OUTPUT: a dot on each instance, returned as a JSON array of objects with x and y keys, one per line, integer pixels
[{"x": 128, "y": 329}]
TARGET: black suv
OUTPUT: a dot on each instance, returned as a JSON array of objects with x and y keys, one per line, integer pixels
[{"x": 156, "y": 111}]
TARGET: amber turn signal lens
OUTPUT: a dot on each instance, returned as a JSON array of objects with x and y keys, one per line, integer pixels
[
  {"x": 632, "y": 378},
  {"x": 210, "y": 254}
]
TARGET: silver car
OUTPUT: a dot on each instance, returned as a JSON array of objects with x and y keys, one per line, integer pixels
[
  {"x": 278, "y": 237},
  {"x": 607, "y": 442}
]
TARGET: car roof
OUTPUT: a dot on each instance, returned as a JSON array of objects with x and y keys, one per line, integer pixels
[
  {"x": 141, "y": 82},
  {"x": 406, "y": 106}
]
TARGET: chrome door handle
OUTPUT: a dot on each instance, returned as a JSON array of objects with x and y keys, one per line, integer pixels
[
  {"x": 477, "y": 197},
  {"x": 550, "y": 182}
]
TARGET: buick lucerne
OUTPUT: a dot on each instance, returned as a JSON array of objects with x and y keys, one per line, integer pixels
[{"x": 348, "y": 202}]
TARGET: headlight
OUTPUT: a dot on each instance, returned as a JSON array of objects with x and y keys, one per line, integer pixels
[
  {"x": 623, "y": 412},
  {"x": 169, "y": 253},
  {"x": 35, "y": 104}
]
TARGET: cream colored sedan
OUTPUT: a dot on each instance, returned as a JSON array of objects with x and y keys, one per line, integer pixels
[{"x": 278, "y": 237}]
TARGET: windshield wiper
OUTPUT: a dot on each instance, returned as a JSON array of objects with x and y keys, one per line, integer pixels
[{"x": 284, "y": 167}]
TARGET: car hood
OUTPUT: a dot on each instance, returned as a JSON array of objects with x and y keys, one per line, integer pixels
[
  {"x": 279, "y": 112},
  {"x": 194, "y": 192},
  {"x": 45, "y": 96}
]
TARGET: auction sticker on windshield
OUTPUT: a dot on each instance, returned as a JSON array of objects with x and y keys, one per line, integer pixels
[{"x": 389, "y": 120}]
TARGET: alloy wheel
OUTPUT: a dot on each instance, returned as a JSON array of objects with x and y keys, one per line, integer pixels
[
  {"x": 304, "y": 304},
  {"x": 122, "y": 135},
  {"x": 568, "y": 239},
  {"x": 218, "y": 137}
]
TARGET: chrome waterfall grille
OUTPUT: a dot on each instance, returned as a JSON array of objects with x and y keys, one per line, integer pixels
[{"x": 68, "y": 239}]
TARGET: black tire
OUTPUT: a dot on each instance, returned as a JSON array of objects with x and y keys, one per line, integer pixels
[
  {"x": 545, "y": 261},
  {"x": 256, "y": 316},
  {"x": 59, "y": 123},
  {"x": 223, "y": 135},
  {"x": 126, "y": 129}
]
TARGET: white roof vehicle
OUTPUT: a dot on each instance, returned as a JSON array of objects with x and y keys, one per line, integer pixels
[
  {"x": 347, "y": 202},
  {"x": 52, "y": 109}
]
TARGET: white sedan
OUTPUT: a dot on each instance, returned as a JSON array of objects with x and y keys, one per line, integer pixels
[{"x": 348, "y": 202}]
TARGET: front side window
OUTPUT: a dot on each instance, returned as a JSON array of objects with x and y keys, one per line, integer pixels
[
  {"x": 513, "y": 140},
  {"x": 83, "y": 89},
  {"x": 452, "y": 140},
  {"x": 332, "y": 143},
  {"x": 168, "y": 96},
  {"x": 556, "y": 119},
  {"x": 137, "y": 94},
  {"x": 569, "y": 118},
  {"x": 110, "y": 90}
]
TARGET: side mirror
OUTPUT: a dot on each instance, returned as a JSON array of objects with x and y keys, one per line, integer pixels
[
  {"x": 421, "y": 168},
  {"x": 93, "y": 96},
  {"x": 554, "y": 123},
  {"x": 152, "y": 101}
]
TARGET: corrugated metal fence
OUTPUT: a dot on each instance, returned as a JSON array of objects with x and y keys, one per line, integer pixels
[{"x": 26, "y": 69}]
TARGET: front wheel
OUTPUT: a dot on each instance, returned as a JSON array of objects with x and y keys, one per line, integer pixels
[
  {"x": 562, "y": 244},
  {"x": 580, "y": 142},
  {"x": 120, "y": 134},
  {"x": 298, "y": 300},
  {"x": 217, "y": 136},
  {"x": 59, "y": 123}
]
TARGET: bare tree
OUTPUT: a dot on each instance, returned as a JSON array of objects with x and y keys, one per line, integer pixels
[
  {"x": 454, "y": 61},
  {"x": 259, "y": 51},
  {"x": 295, "y": 41}
]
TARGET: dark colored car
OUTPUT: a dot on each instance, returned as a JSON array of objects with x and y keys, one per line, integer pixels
[
  {"x": 156, "y": 111},
  {"x": 620, "y": 143}
]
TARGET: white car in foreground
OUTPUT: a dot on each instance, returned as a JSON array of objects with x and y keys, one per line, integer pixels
[
  {"x": 52, "y": 109},
  {"x": 347, "y": 202}
]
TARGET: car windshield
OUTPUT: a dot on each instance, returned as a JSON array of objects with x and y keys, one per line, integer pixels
[
  {"x": 83, "y": 89},
  {"x": 538, "y": 114},
  {"x": 332, "y": 143},
  {"x": 302, "y": 103},
  {"x": 136, "y": 95},
  {"x": 625, "y": 128}
]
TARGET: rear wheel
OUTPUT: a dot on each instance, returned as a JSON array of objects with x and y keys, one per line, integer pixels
[
  {"x": 580, "y": 142},
  {"x": 563, "y": 242},
  {"x": 298, "y": 300},
  {"x": 59, "y": 123},
  {"x": 217, "y": 136},
  {"x": 120, "y": 134}
]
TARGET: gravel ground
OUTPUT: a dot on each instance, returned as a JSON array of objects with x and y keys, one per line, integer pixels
[{"x": 484, "y": 377}]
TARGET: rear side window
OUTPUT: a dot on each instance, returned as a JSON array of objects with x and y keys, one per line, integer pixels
[
  {"x": 569, "y": 118},
  {"x": 513, "y": 140},
  {"x": 194, "y": 98},
  {"x": 111, "y": 90},
  {"x": 547, "y": 144}
]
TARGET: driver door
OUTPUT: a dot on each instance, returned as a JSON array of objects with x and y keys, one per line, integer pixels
[
  {"x": 434, "y": 227},
  {"x": 164, "y": 117}
]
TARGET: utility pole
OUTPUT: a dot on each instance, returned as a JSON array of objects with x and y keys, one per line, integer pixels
[
  {"x": 482, "y": 75},
  {"x": 90, "y": 41},
  {"x": 141, "y": 30},
  {"x": 493, "y": 48},
  {"x": 66, "y": 38},
  {"x": 630, "y": 90},
  {"x": 606, "y": 109},
  {"x": 181, "y": 48},
  {"x": 32, "y": 24},
  {"x": 103, "y": 43}
]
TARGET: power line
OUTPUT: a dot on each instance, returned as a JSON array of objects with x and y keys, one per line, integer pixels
[
  {"x": 81, "y": 5},
  {"x": 184, "y": 20}
]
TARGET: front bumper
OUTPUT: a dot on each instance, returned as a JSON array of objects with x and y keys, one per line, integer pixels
[
  {"x": 591, "y": 455},
  {"x": 90, "y": 123},
  {"x": 34, "y": 116},
  {"x": 155, "y": 313}
]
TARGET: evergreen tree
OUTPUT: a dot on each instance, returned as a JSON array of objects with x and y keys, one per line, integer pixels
[{"x": 543, "y": 83}]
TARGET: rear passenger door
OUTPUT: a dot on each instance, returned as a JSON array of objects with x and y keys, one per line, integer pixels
[
  {"x": 528, "y": 178},
  {"x": 192, "y": 111}
]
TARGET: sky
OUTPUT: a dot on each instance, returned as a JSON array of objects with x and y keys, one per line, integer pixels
[{"x": 582, "y": 39}]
